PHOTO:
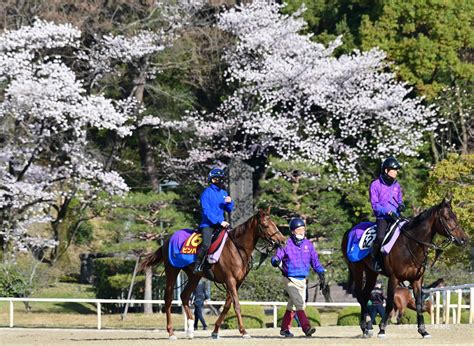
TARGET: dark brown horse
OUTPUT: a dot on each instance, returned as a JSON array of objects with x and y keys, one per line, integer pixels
[
  {"x": 231, "y": 269},
  {"x": 404, "y": 299},
  {"x": 405, "y": 262}
]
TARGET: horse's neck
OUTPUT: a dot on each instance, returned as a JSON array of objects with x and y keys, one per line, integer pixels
[
  {"x": 425, "y": 231},
  {"x": 246, "y": 237}
]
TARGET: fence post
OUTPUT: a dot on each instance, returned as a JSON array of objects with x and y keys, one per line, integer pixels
[
  {"x": 437, "y": 295},
  {"x": 99, "y": 316},
  {"x": 447, "y": 303},
  {"x": 11, "y": 313},
  {"x": 458, "y": 321},
  {"x": 275, "y": 316},
  {"x": 432, "y": 308},
  {"x": 471, "y": 308}
]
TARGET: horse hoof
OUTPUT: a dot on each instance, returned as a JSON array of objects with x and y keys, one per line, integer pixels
[
  {"x": 190, "y": 335},
  {"x": 426, "y": 335},
  {"x": 215, "y": 336},
  {"x": 381, "y": 335},
  {"x": 246, "y": 336},
  {"x": 173, "y": 337}
]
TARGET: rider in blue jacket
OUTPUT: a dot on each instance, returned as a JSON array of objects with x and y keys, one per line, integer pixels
[{"x": 214, "y": 202}]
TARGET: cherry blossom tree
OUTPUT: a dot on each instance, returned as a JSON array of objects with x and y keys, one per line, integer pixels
[
  {"x": 45, "y": 113},
  {"x": 294, "y": 99}
]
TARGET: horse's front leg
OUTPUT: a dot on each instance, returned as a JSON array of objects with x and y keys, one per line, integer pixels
[
  {"x": 417, "y": 291},
  {"x": 232, "y": 289},
  {"x": 220, "y": 319},
  {"x": 392, "y": 285}
]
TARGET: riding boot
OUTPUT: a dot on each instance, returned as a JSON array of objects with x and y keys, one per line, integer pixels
[
  {"x": 200, "y": 261},
  {"x": 375, "y": 254}
]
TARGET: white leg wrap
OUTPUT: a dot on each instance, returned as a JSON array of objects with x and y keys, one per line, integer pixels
[{"x": 190, "y": 330}]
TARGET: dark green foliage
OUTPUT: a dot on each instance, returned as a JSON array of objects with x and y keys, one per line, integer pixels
[
  {"x": 14, "y": 282},
  {"x": 253, "y": 316},
  {"x": 113, "y": 277},
  {"x": 349, "y": 316},
  {"x": 409, "y": 317},
  {"x": 264, "y": 284},
  {"x": 84, "y": 233}
]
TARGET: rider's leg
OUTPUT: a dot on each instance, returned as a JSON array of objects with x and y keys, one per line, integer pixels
[
  {"x": 206, "y": 233},
  {"x": 381, "y": 227}
]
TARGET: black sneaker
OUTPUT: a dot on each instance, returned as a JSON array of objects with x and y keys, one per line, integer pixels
[
  {"x": 286, "y": 333},
  {"x": 310, "y": 331}
]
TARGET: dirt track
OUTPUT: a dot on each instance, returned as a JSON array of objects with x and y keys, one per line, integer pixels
[{"x": 396, "y": 335}]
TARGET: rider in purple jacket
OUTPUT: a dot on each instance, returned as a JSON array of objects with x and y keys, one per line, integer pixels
[
  {"x": 386, "y": 199},
  {"x": 295, "y": 260}
]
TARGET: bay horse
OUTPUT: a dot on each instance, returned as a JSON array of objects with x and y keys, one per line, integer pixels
[
  {"x": 231, "y": 269},
  {"x": 404, "y": 299},
  {"x": 405, "y": 262}
]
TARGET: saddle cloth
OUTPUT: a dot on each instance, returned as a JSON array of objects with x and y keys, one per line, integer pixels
[
  {"x": 362, "y": 236},
  {"x": 185, "y": 243}
]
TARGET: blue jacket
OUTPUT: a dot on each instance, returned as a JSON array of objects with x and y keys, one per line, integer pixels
[
  {"x": 297, "y": 259},
  {"x": 213, "y": 206},
  {"x": 385, "y": 198}
]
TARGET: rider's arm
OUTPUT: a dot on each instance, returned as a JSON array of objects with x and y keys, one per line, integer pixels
[
  {"x": 228, "y": 207},
  {"x": 209, "y": 209},
  {"x": 315, "y": 264},
  {"x": 377, "y": 207}
]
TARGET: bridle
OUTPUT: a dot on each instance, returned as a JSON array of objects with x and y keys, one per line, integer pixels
[{"x": 450, "y": 238}]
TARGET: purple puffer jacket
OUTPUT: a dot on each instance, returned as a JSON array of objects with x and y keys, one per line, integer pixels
[
  {"x": 297, "y": 259},
  {"x": 385, "y": 198}
]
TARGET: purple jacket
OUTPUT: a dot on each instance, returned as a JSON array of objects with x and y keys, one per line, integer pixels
[
  {"x": 296, "y": 259},
  {"x": 385, "y": 198}
]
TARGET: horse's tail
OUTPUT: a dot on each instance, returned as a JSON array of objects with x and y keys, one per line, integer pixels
[{"x": 152, "y": 259}]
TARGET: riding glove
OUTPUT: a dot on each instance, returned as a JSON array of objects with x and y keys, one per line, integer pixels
[
  {"x": 275, "y": 262},
  {"x": 401, "y": 208}
]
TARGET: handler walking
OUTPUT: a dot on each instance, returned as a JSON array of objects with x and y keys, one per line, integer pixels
[{"x": 295, "y": 260}]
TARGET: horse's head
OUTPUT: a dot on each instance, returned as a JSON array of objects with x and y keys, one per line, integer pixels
[
  {"x": 268, "y": 230},
  {"x": 448, "y": 224}
]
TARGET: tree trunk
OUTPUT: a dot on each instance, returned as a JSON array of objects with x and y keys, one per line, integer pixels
[
  {"x": 462, "y": 121},
  {"x": 146, "y": 152},
  {"x": 148, "y": 307}
]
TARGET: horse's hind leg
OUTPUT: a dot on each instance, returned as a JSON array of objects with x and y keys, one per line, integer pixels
[
  {"x": 193, "y": 281},
  {"x": 171, "y": 274},
  {"x": 357, "y": 271},
  {"x": 370, "y": 279}
]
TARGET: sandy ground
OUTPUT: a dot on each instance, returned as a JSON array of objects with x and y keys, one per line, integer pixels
[{"x": 396, "y": 335}]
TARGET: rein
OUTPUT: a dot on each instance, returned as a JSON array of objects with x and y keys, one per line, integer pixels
[{"x": 426, "y": 246}]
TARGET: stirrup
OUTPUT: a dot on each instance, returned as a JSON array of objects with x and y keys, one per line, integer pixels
[{"x": 198, "y": 268}]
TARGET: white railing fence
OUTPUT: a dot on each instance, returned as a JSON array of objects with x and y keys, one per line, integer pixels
[
  {"x": 449, "y": 309},
  {"x": 434, "y": 293}
]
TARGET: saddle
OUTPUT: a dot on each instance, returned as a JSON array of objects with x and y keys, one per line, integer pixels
[
  {"x": 192, "y": 244},
  {"x": 362, "y": 236},
  {"x": 184, "y": 245}
]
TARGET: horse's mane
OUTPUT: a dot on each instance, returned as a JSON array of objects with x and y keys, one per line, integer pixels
[
  {"x": 422, "y": 217},
  {"x": 237, "y": 231}
]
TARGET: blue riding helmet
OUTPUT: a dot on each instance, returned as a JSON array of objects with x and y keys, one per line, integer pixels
[
  {"x": 295, "y": 223},
  {"x": 215, "y": 173}
]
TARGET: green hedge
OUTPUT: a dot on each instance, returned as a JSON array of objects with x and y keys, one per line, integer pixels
[
  {"x": 313, "y": 316},
  {"x": 349, "y": 316},
  {"x": 409, "y": 317},
  {"x": 112, "y": 280},
  {"x": 254, "y": 317}
]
